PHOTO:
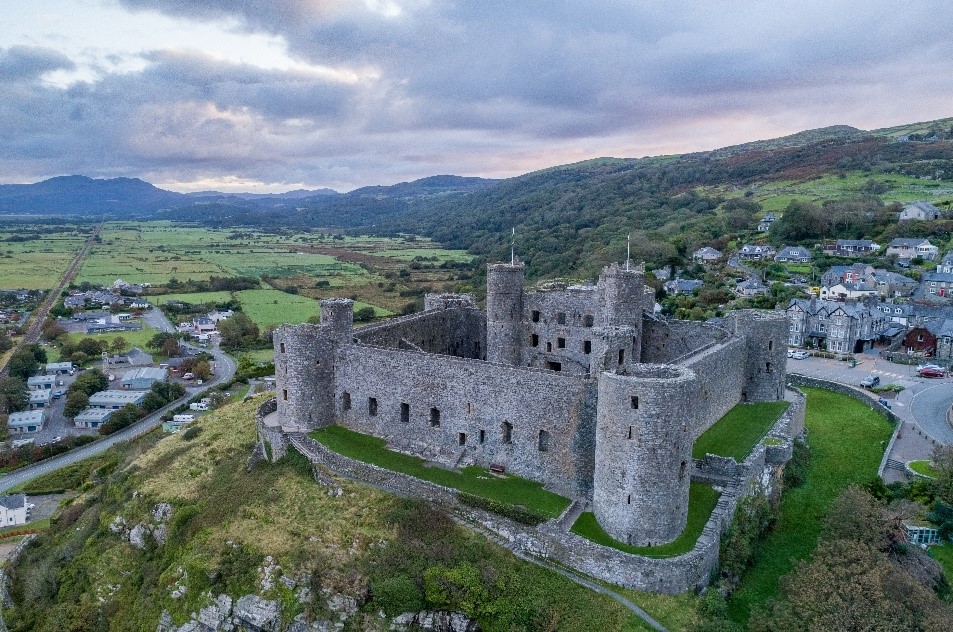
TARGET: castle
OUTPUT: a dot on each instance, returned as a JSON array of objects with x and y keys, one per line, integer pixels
[{"x": 579, "y": 387}]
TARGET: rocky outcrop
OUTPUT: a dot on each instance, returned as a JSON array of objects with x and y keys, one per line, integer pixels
[
  {"x": 140, "y": 535},
  {"x": 434, "y": 621}
]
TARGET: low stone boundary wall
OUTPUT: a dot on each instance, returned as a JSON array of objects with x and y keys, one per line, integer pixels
[
  {"x": 273, "y": 441},
  {"x": 672, "y": 575},
  {"x": 949, "y": 417}
]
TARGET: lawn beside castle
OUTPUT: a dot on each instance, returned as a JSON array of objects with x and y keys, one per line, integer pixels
[
  {"x": 506, "y": 489},
  {"x": 701, "y": 502},
  {"x": 742, "y": 427},
  {"x": 847, "y": 441}
]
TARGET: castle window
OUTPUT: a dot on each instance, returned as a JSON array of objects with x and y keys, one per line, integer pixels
[
  {"x": 631, "y": 433},
  {"x": 561, "y": 343},
  {"x": 405, "y": 412},
  {"x": 767, "y": 367},
  {"x": 561, "y": 318},
  {"x": 372, "y": 406},
  {"x": 317, "y": 363},
  {"x": 587, "y": 320},
  {"x": 435, "y": 417},
  {"x": 281, "y": 347},
  {"x": 507, "y": 428},
  {"x": 770, "y": 345},
  {"x": 284, "y": 394},
  {"x": 549, "y": 347},
  {"x": 482, "y": 436},
  {"x": 346, "y": 401},
  {"x": 621, "y": 356},
  {"x": 535, "y": 316},
  {"x": 461, "y": 438},
  {"x": 534, "y": 340},
  {"x": 587, "y": 346},
  {"x": 628, "y": 501},
  {"x": 554, "y": 366},
  {"x": 634, "y": 402},
  {"x": 543, "y": 443},
  {"x": 681, "y": 470},
  {"x": 469, "y": 408}
]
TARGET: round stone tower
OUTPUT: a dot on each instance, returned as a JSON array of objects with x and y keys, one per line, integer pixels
[
  {"x": 304, "y": 366},
  {"x": 766, "y": 335},
  {"x": 504, "y": 313},
  {"x": 644, "y": 452},
  {"x": 621, "y": 300}
]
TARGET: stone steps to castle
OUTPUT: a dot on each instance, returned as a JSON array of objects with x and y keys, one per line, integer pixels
[
  {"x": 893, "y": 464},
  {"x": 572, "y": 513}
]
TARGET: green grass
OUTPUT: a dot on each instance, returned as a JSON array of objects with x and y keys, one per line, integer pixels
[
  {"x": 260, "y": 355},
  {"x": 511, "y": 490},
  {"x": 943, "y": 554},
  {"x": 847, "y": 441},
  {"x": 436, "y": 255},
  {"x": 924, "y": 468},
  {"x": 39, "y": 263},
  {"x": 195, "y": 298},
  {"x": 735, "y": 434},
  {"x": 701, "y": 502}
]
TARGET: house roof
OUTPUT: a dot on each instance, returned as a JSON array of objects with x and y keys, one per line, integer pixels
[
  {"x": 94, "y": 415},
  {"x": 144, "y": 373},
  {"x": 751, "y": 284},
  {"x": 105, "y": 398},
  {"x": 938, "y": 276},
  {"x": 707, "y": 251},
  {"x": 25, "y": 418},
  {"x": 815, "y": 306},
  {"x": 910, "y": 242},
  {"x": 41, "y": 379},
  {"x": 921, "y": 206},
  {"x": 940, "y": 327},
  {"x": 41, "y": 396},
  {"x": 866, "y": 243},
  {"x": 794, "y": 251},
  {"x": 13, "y": 501}
]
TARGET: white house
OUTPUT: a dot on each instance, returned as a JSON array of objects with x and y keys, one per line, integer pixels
[
  {"x": 908, "y": 248},
  {"x": 706, "y": 254},
  {"x": 844, "y": 291},
  {"x": 14, "y": 510},
  {"x": 793, "y": 254},
  {"x": 922, "y": 211}
]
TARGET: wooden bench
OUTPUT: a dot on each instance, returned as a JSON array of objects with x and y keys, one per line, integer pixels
[{"x": 496, "y": 468}]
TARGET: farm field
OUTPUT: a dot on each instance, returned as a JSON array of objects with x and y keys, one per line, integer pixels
[
  {"x": 383, "y": 273},
  {"x": 38, "y": 262}
]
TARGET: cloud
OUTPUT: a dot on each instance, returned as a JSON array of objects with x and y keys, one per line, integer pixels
[
  {"x": 388, "y": 90},
  {"x": 19, "y": 63}
]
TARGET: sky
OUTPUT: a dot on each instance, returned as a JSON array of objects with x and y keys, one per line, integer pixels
[{"x": 249, "y": 95}]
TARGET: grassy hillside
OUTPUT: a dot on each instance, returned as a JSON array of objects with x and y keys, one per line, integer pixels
[{"x": 385, "y": 553}]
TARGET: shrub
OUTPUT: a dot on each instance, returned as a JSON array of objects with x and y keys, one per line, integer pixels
[
  {"x": 191, "y": 433},
  {"x": 398, "y": 594},
  {"x": 513, "y": 512}
]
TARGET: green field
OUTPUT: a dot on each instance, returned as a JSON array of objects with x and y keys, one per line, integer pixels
[
  {"x": 701, "y": 502},
  {"x": 847, "y": 441},
  {"x": 735, "y": 434},
  {"x": 510, "y": 490},
  {"x": 134, "y": 339},
  {"x": 36, "y": 264},
  {"x": 436, "y": 255}
]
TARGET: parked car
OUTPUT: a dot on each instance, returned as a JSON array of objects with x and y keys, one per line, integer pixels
[
  {"x": 790, "y": 353},
  {"x": 57, "y": 394},
  {"x": 188, "y": 376},
  {"x": 800, "y": 355},
  {"x": 883, "y": 402},
  {"x": 931, "y": 371},
  {"x": 870, "y": 381}
]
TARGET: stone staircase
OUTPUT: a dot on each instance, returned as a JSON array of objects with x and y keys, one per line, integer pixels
[
  {"x": 572, "y": 513},
  {"x": 893, "y": 464}
]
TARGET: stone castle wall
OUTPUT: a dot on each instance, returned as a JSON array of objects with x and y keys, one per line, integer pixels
[
  {"x": 455, "y": 332},
  {"x": 577, "y": 311},
  {"x": 538, "y": 424},
  {"x": 665, "y": 341},
  {"x": 721, "y": 380}
]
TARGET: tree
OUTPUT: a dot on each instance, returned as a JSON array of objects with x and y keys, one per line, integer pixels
[
  {"x": 170, "y": 347},
  {"x": 238, "y": 331},
  {"x": 119, "y": 344},
  {"x": 76, "y": 402},
  {"x": 90, "y": 382},
  {"x": 91, "y": 346},
  {"x": 51, "y": 331},
  {"x": 153, "y": 401},
  {"x": 122, "y": 418},
  {"x": 23, "y": 364},
  {"x": 365, "y": 314},
  {"x": 159, "y": 340},
  {"x": 5, "y": 343},
  {"x": 202, "y": 370},
  {"x": 14, "y": 395}
]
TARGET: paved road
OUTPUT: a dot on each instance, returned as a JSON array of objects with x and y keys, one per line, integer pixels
[
  {"x": 224, "y": 371},
  {"x": 923, "y": 402}
]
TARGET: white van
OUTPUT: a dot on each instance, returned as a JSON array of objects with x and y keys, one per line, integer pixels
[{"x": 198, "y": 406}]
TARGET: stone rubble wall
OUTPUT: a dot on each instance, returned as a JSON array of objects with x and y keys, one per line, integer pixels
[
  {"x": 459, "y": 332},
  {"x": 271, "y": 436}
]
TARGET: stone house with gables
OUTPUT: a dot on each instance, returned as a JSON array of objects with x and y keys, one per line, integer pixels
[{"x": 849, "y": 327}]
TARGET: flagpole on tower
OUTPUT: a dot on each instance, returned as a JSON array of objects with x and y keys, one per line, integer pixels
[
  {"x": 628, "y": 250},
  {"x": 513, "y": 248}
]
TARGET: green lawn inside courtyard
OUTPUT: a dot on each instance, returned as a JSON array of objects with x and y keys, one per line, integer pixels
[
  {"x": 847, "y": 441},
  {"x": 701, "y": 502},
  {"x": 506, "y": 489},
  {"x": 735, "y": 434}
]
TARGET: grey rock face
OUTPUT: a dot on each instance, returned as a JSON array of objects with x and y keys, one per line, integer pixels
[
  {"x": 257, "y": 614},
  {"x": 434, "y": 621}
]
